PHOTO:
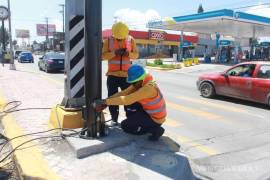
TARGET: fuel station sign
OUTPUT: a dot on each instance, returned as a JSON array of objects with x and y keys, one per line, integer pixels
[{"x": 157, "y": 35}]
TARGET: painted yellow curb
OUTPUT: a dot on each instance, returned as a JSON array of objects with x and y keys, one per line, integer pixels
[{"x": 30, "y": 161}]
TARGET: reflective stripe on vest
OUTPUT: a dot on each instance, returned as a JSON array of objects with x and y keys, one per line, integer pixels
[
  {"x": 162, "y": 108},
  {"x": 155, "y": 101},
  {"x": 118, "y": 62}
]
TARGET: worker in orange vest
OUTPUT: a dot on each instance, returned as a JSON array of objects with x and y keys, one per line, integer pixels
[
  {"x": 152, "y": 112},
  {"x": 119, "y": 49}
]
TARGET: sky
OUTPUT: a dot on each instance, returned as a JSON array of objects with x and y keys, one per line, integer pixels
[{"x": 27, "y": 13}]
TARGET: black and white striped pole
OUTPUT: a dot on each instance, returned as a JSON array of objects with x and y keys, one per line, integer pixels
[
  {"x": 74, "y": 54},
  {"x": 83, "y": 61}
]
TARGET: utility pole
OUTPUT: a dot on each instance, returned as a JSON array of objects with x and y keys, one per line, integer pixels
[
  {"x": 47, "y": 32},
  {"x": 63, "y": 18},
  {"x": 92, "y": 67},
  {"x": 12, "y": 65},
  {"x": 3, "y": 35}
]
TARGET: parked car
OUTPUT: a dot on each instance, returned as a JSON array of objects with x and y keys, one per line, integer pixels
[
  {"x": 52, "y": 61},
  {"x": 248, "y": 81},
  {"x": 17, "y": 53},
  {"x": 26, "y": 57}
]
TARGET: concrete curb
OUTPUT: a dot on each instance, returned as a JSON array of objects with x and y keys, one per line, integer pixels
[
  {"x": 30, "y": 162},
  {"x": 159, "y": 68}
]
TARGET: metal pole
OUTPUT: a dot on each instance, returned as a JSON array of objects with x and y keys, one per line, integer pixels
[
  {"x": 12, "y": 65},
  {"x": 181, "y": 45},
  {"x": 3, "y": 36},
  {"x": 92, "y": 50},
  {"x": 63, "y": 18},
  {"x": 47, "y": 33}
]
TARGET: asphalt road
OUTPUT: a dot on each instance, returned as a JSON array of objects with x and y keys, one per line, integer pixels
[{"x": 224, "y": 138}]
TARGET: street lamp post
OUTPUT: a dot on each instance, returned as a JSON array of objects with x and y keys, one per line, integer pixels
[{"x": 12, "y": 65}]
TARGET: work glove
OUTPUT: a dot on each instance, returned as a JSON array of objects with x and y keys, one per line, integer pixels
[
  {"x": 99, "y": 105},
  {"x": 121, "y": 52}
]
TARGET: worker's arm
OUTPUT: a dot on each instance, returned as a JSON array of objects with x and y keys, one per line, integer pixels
[
  {"x": 125, "y": 92},
  {"x": 134, "y": 54},
  {"x": 148, "y": 91},
  {"x": 106, "y": 54}
]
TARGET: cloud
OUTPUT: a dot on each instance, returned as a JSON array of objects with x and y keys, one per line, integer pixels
[
  {"x": 261, "y": 10},
  {"x": 134, "y": 18}
]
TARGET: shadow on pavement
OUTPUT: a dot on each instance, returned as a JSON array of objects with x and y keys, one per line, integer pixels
[
  {"x": 242, "y": 102},
  {"x": 161, "y": 158}
]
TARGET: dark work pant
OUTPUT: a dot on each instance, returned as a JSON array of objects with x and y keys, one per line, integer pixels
[
  {"x": 139, "y": 123},
  {"x": 113, "y": 83}
]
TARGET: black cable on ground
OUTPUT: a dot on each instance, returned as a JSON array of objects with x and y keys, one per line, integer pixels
[
  {"x": 17, "y": 104},
  {"x": 29, "y": 134},
  {"x": 45, "y": 137}
]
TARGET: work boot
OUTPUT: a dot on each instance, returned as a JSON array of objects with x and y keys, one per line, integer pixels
[{"x": 156, "y": 134}]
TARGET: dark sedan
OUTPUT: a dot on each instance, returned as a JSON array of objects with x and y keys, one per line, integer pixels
[{"x": 52, "y": 61}]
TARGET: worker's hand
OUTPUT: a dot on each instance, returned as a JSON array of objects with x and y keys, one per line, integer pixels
[
  {"x": 99, "y": 105},
  {"x": 126, "y": 53},
  {"x": 118, "y": 52}
]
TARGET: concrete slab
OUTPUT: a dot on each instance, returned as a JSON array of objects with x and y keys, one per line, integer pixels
[{"x": 86, "y": 147}]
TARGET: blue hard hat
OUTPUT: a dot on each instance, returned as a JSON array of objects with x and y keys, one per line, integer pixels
[{"x": 135, "y": 73}]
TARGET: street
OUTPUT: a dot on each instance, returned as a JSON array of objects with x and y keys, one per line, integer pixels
[{"x": 223, "y": 137}]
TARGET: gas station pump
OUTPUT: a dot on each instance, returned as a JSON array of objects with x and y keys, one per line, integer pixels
[
  {"x": 188, "y": 50},
  {"x": 265, "y": 50},
  {"x": 225, "y": 51}
]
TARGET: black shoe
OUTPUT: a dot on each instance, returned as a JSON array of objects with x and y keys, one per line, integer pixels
[
  {"x": 114, "y": 122},
  {"x": 158, "y": 132}
]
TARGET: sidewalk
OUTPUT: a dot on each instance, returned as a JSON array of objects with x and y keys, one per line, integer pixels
[{"x": 53, "y": 158}]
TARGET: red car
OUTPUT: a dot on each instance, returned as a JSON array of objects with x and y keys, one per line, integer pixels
[{"x": 248, "y": 81}]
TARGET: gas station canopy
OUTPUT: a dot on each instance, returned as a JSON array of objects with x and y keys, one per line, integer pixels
[{"x": 226, "y": 22}]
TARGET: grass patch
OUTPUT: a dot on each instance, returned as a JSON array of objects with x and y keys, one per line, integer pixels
[{"x": 165, "y": 66}]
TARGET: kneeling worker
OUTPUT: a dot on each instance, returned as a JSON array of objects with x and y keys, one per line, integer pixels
[{"x": 152, "y": 113}]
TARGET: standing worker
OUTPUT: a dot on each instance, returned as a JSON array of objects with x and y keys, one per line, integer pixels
[
  {"x": 152, "y": 112},
  {"x": 119, "y": 49}
]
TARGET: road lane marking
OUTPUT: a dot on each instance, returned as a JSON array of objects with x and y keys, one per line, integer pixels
[
  {"x": 172, "y": 123},
  {"x": 196, "y": 112},
  {"x": 188, "y": 142},
  {"x": 211, "y": 104},
  {"x": 200, "y": 147}
]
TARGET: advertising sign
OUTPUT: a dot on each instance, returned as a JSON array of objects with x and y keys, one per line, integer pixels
[
  {"x": 22, "y": 33},
  {"x": 42, "y": 29},
  {"x": 159, "y": 35},
  {"x": 225, "y": 42}
]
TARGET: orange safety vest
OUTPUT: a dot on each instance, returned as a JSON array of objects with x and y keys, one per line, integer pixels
[
  {"x": 156, "y": 106},
  {"x": 119, "y": 63}
]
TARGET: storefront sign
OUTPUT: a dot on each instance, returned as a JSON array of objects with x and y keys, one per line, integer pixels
[
  {"x": 159, "y": 35},
  {"x": 225, "y": 42}
]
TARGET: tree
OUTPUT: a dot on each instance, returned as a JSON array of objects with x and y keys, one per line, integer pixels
[
  {"x": 6, "y": 36},
  {"x": 200, "y": 9}
]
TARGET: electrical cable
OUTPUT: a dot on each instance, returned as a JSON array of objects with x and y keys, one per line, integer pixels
[
  {"x": 45, "y": 137},
  {"x": 17, "y": 104}
]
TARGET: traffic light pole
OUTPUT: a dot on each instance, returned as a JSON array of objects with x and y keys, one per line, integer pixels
[{"x": 93, "y": 48}]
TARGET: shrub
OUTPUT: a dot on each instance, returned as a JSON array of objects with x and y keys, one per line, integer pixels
[{"x": 158, "y": 62}]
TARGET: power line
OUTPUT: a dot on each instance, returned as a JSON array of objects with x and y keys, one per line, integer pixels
[{"x": 244, "y": 7}]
